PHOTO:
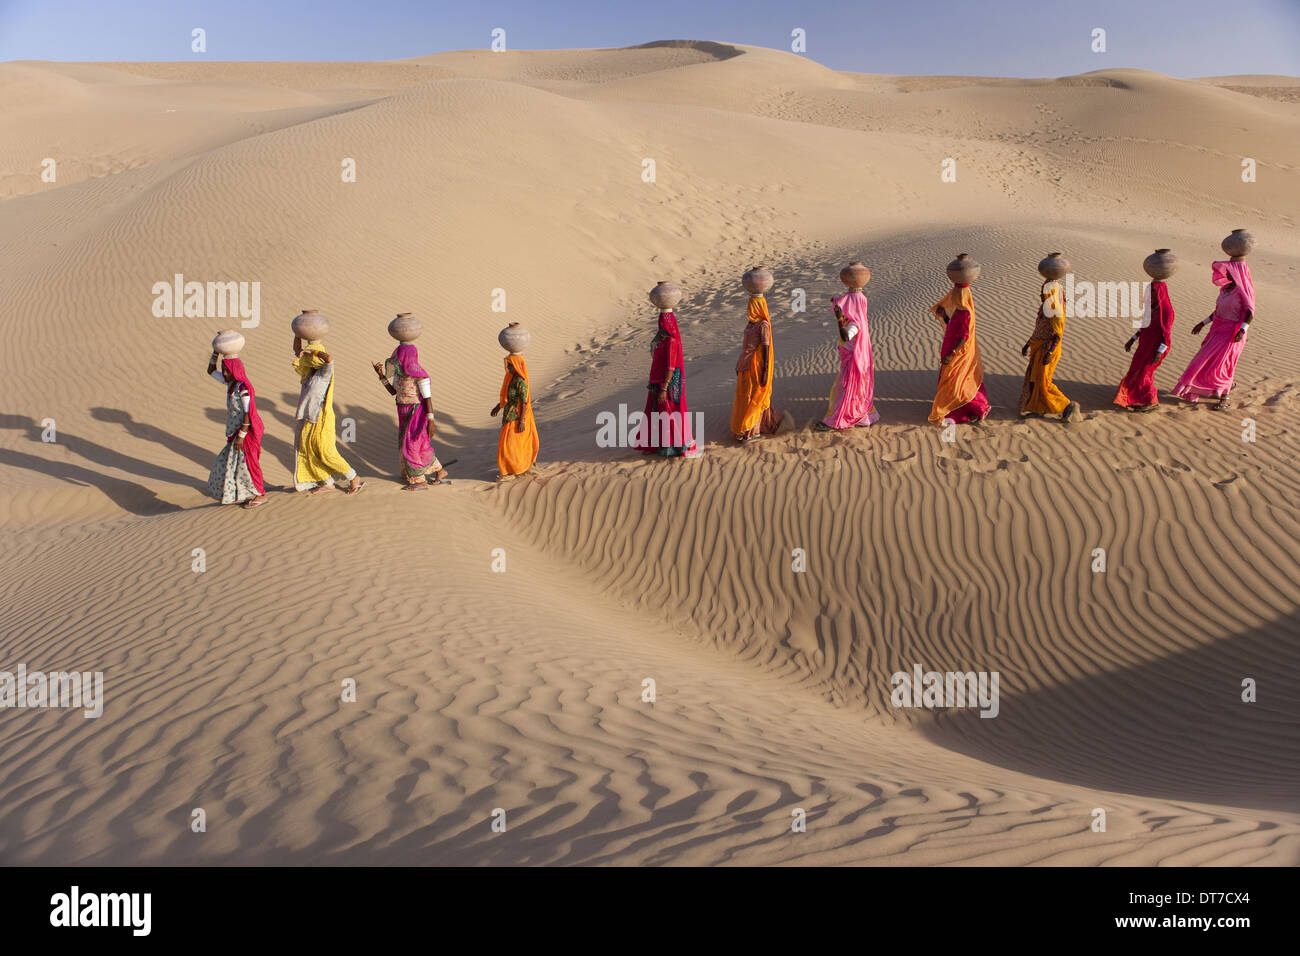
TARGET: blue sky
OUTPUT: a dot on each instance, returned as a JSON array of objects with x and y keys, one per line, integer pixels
[{"x": 980, "y": 37}]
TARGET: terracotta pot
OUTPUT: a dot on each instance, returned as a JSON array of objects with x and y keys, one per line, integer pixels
[
  {"x": 228, "y": 344},
  {"x": 855, "y": 275},
  {"x": 310, "y": 326},
  {"x": 1161, "y": 264},
  {"x": 757, "y": 280},
  {"x": 514, "y": 338},
  {"x": 1054, "y": 266},
  {"x": 1239, "y": 244},
  {"x": 405, "y": 328},
  {"x": 665, "y": 296},
  {"x": 963, "y": 269}
]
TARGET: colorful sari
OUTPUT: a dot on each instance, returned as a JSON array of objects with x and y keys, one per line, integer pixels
[
  {"x": 236, "y": 475},
  {"x": 414, "y": 448},
  {"x": 852, "y": 400},
  {"x": 751, "y": 411},
  {"x": 960, "y": 397},
  {"x": 1139, "y": 386},
  {"x": 1039, "y": 394},
  {"x": 317, "y": 459},
  {"x": 516, "y": 450},
  {"x": 666, "y": 428},
  {"x": 1213, "y": 368}
]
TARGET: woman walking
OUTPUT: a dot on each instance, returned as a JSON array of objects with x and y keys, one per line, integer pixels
[
  {"x": 1214, "y": 367},
  {"x": 667, "y": 425},
  {"x": 236, "y": 475},
  {"x": 317, "y": 459},
  {"x": 1138, "y": 392},
  {"x": 960, "y": 397},
  {"x": 518, "y": 443},
  {"x": 404, "y": 378},
  {"x": 852, "y": 401}
]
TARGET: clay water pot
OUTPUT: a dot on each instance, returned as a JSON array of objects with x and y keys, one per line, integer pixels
[
  {"x": 514, "y": 338},
  {"x": 1055, "y": 266},
  {"x": 1161, "y": 264},
  {"x": 963, "y": 269},
  {"x": 855, "y": 275},
  {"x": 757, "y": 280},
  {"x": 405, "y": 328},
  {"x": 1239, "y": 244},
  {"x": 228, "y": 343},
  {"x": 310, "y": 326},
  {"x": 665, "y": 296}
]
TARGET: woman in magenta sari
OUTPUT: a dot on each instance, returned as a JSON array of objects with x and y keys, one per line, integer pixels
[
  {"x": 236, "y": 475},
  {"x": 667, "y": 426},
  {"x": 852, "y": 401},
  {"x": 1138, "y": 392},
  {"x": 1212, "y": 369},
  {"x": 404, "y": 378}
]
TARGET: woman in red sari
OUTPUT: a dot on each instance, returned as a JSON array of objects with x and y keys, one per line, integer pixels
[
  {"x": 667, "y": 426},
  {"x": 1138, "y": 392}
]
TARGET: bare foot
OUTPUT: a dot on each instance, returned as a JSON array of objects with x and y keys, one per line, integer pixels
[{"x": 356, "y": 485}]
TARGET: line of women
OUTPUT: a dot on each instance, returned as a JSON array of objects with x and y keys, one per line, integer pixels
[
  {"x": 236, "y": 475},
  {"x": 960, "y": 396}
]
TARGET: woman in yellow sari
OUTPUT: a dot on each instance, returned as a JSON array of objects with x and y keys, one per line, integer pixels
[
  {"x": 1039, "y": 394},
  {"x": 317, "y": 459},
  {"x": 960, "y": 396}
]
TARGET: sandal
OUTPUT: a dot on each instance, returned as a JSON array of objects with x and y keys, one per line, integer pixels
[{"x": 356, "y": 486}]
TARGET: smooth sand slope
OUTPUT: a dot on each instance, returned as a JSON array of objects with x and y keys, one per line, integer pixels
[{"x": 522, "y": 690}]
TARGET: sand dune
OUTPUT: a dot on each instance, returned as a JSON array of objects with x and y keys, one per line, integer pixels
[{"x": 522, "y": 691}]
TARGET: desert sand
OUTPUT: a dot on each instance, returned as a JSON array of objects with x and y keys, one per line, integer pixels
[{"x": 522, "y": 690}]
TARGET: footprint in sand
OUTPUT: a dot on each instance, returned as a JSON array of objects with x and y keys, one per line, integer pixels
[
  {"x": 1233, "y": 481},
  {"x": 1285, "y": 395},
  {"x": 899, "y": 458},
  {"x": 1173, "y": 468}
]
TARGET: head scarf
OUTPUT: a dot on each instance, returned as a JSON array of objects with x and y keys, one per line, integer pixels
[
  {"x": 516, "y": 364},
  {"x": 758, "y": 309},
  {"x": 958, "y": 297},
  {"x": 407, "y": 359},
  {"x": 853, "y": 306},
  {"x": 1224, "y": 272},
  {"x": 668, "y": 349}
]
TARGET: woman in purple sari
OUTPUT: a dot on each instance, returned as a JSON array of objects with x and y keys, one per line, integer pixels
[
  {"x": 1214, "y": 366},
  {"x": 402, "y": 375}
]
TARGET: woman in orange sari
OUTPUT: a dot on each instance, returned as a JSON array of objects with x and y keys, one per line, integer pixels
[
  {"x": 751, "y": 411},
  {"x": 960, "y": 397},
  {"x": 518, "y": 443},
  {"x": 1039, "y": 395}
]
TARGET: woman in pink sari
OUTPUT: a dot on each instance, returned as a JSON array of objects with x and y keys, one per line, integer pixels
[
  {"x": 852, "y": 401},
  {"x": 666, "y": 429},
  {"x": 1212, "y": 369}
]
